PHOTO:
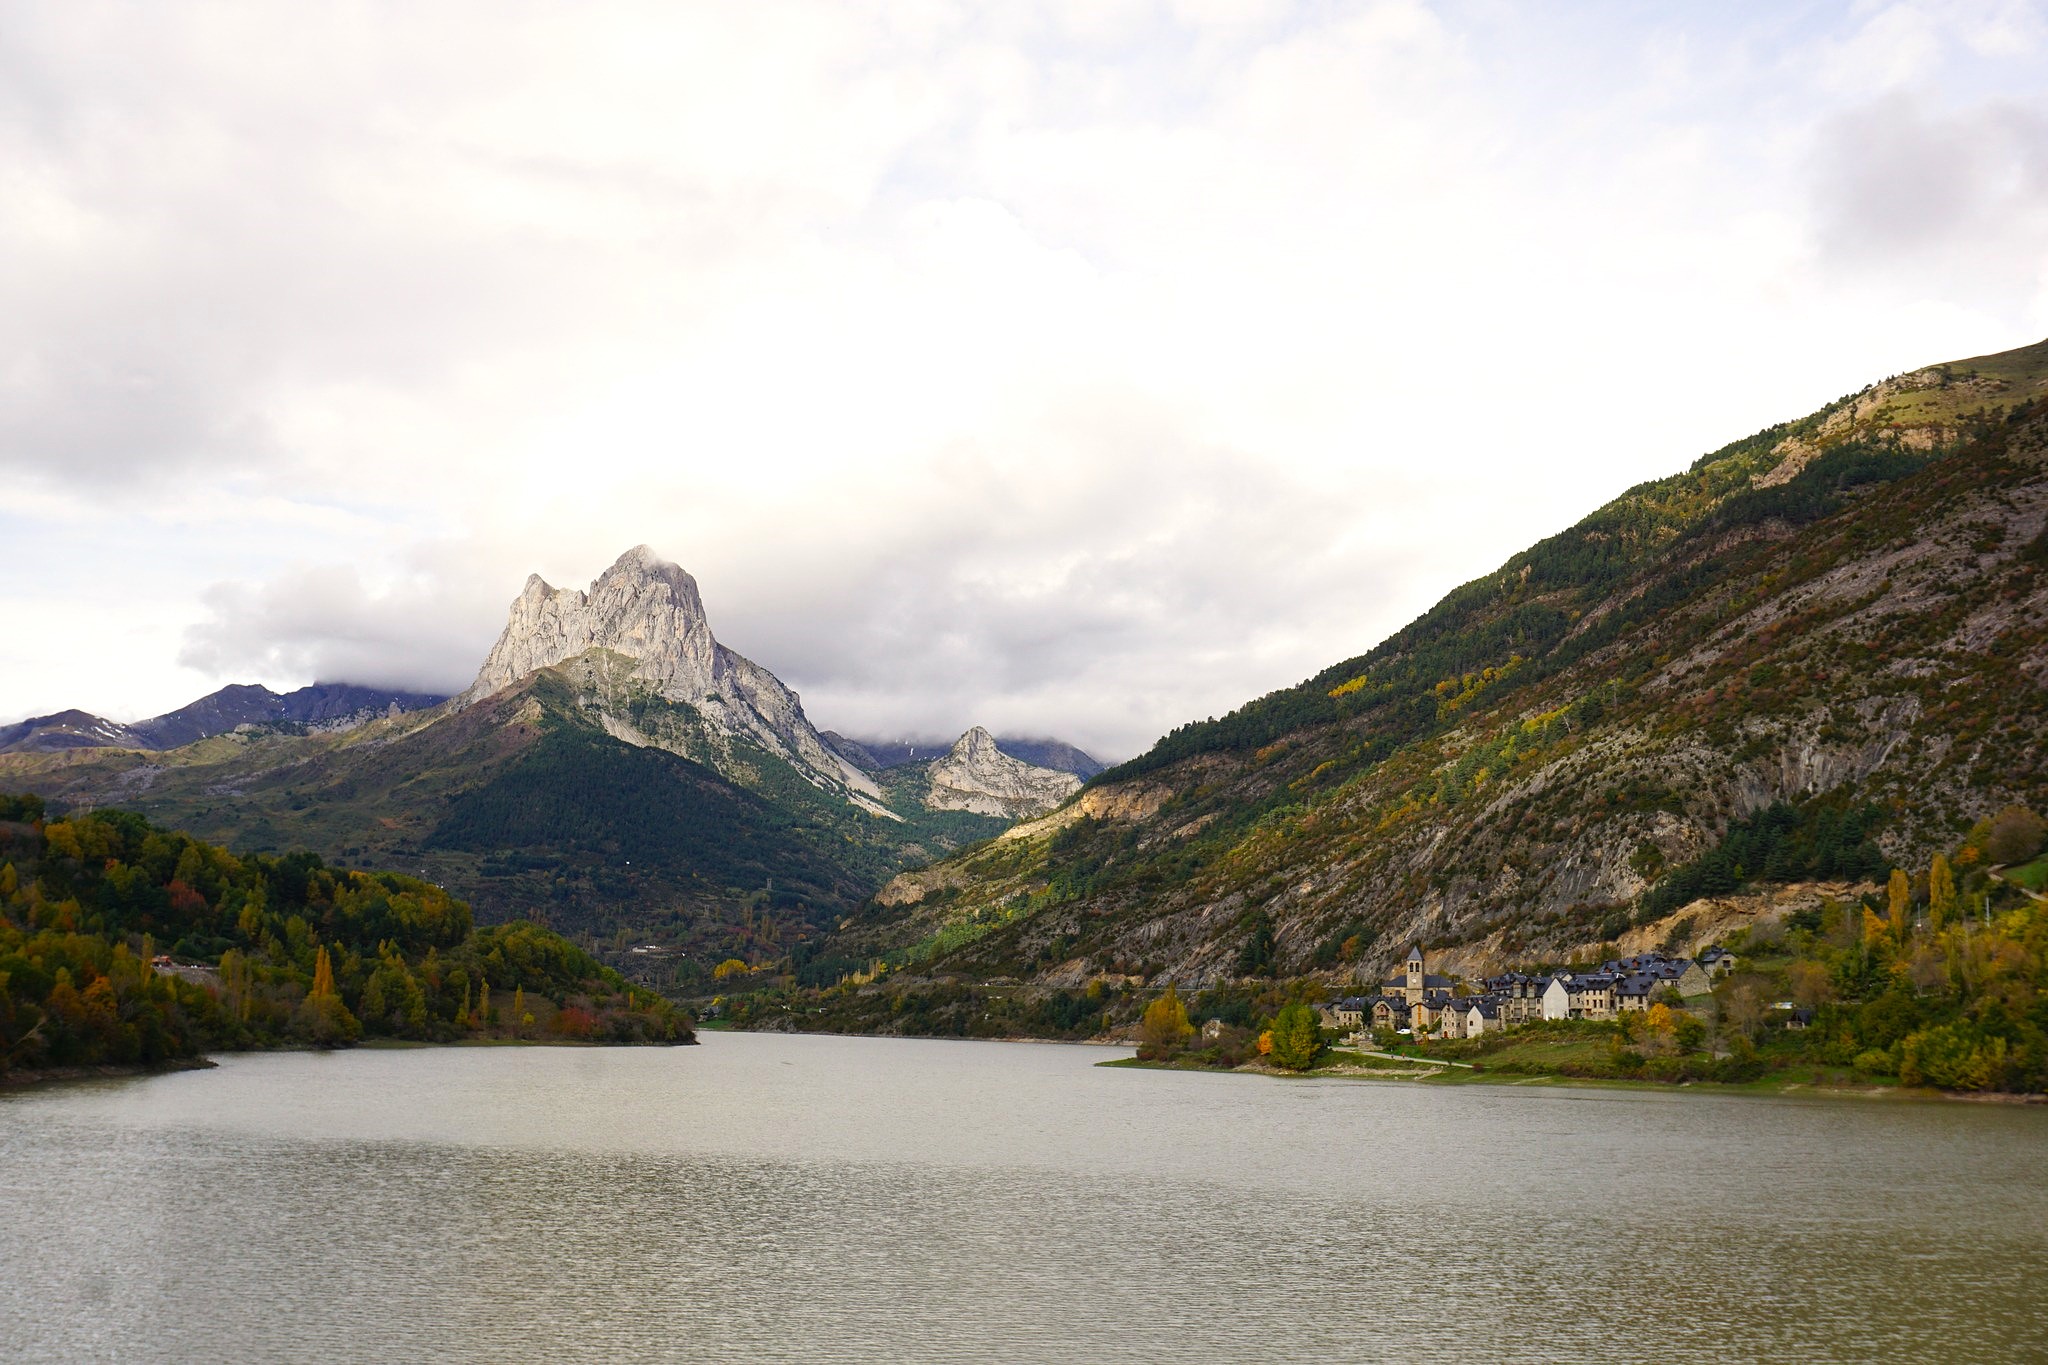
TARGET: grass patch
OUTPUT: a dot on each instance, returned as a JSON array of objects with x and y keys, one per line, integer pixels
[{"x": 2033, "y": 876}]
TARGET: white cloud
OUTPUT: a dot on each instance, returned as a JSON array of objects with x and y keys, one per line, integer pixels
[{"x": 1074, "y": 368}]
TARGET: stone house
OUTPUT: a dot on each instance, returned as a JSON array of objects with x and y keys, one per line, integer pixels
[
  {"x": 1389, "y": 1011},
  {"x": 1579, "y": 995}
]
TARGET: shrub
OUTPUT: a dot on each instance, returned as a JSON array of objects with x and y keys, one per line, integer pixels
[{"x": 2017, "y": 834}]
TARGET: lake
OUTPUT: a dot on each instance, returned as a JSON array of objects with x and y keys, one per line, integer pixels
[{"x": 826, "y": 1199}]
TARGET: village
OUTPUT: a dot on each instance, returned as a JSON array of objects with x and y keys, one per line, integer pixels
[{"x": 1421, "y": 1004}]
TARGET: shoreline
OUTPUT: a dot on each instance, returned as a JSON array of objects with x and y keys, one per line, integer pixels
[
  {"x": 22, "y": 1080},
  {"x": 1441, "y": 1073}
]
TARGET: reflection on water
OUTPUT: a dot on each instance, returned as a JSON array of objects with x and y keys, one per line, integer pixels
[{"x": 833, "y": 1199}]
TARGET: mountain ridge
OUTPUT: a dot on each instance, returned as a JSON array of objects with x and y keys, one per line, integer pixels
[
  {"x": 325, "y": 706},
  {"x": 1841, "y": 610}
]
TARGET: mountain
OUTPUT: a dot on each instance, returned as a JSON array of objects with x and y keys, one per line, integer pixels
[
  {"x": 322, "y": 706},
  {"x": 1056, "y": 754},
  {"x": 614, "y": 771},
  {"x": 68, "y": 730},
  {"x": 1820, "y": 651},
  {"x": 647, "y": 611},
  {"x": 975, "y": 775},
  {"x": 873, "y": 755},
  {"x": 977, "y": 772}
]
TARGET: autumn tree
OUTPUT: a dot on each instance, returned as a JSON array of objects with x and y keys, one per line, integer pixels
[
  {"x": 1297, "y": 1037},
  {"x": 1898, "y": 894},
  {"x": 1811, "y": 985},
  {"x": 1164, "y": 1027},
  {"x": 2017, "y": 834},
  {"x": 323, "y": 976},
  {"x": 1941, "y": 893},
  {"x": 1656, "y": 1028},
  {"x": 322, "y": 1017},
  {"x": 1742, "y": 1005}
]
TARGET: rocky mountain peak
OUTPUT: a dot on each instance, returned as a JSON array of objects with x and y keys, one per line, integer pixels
[
  {"x": 976, "y": 745},
  {"x": 977, "y": 776},
  {"x": 643, "y": 607},
  {"x": 647, "y": 609}
]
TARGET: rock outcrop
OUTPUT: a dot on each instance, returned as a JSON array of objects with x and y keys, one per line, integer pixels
[
  {"x": 979, "y": 777},
  {"x": 648, "y": 611}
]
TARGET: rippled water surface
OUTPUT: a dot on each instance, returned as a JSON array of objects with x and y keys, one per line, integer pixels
[{"x": 825, "y": 1199}]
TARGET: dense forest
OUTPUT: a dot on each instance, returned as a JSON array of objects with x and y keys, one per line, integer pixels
[{"x": 122, "y": 944}]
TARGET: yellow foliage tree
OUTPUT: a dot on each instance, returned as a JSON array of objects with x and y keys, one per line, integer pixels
[
  {"x": 323, "y": 977},
  {"x": 1941, "y": 893},
  {"x": 729, "y": 967},
  {"x": 1899, "y": 903},
  {"x": 1164, "y": 1026}
]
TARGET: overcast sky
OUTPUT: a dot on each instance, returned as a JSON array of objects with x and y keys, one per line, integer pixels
[{"x": 1073, "y": 369}]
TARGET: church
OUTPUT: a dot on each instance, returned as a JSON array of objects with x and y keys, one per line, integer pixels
[
  {"x": 1412, "y": 1000},
  {"x": 1415, "y": 985}
]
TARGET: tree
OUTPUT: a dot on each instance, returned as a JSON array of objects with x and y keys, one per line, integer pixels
[
  {"x": 1811, "y": 985},
  {"x": 1256, "y": 957},
  {"x": 323, "y": 977},
  {"x": 1297, "y": 1037},
  {"x": 322, "y": 1016},
  {"x": 1742, "y": 1004},
  {"x": 2017, "y": 834},
  {"x": 1164, "y": 1027},
  {"x": 1941, "y": 893},
  {"x": 1899, "y": 902}
]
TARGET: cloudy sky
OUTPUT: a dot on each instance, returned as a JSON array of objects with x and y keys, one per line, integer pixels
[{"x": 1072, "y": 369}]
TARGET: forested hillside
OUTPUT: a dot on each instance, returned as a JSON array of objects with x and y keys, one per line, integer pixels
[
  {"x": 1820, "y": 651},
  {"x": 128, "y": 945}
]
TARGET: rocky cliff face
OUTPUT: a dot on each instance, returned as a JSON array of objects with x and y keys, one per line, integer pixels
[
  {"x": 648, "y": 612},
  {"x": 979, "y": 777}
]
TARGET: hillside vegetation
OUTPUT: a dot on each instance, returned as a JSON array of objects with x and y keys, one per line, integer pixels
[
  {"x": 263, "y": 951},
  {"x": 1837, "y": 627}
]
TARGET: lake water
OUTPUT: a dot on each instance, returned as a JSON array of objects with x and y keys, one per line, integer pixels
[{"x": 828, "y": 1199}]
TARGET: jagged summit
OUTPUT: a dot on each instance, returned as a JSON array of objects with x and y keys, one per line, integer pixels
[
  {"x": 978, "y": 776},
  {"x": 643, "y": 606},
  {"x": 648, "y": 610}
]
